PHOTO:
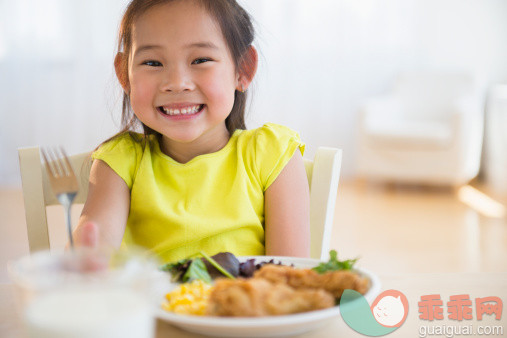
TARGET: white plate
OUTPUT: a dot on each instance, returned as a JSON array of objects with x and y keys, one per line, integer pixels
[{"x": 265, "y": 326}]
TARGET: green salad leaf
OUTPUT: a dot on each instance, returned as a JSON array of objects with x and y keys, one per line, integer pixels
[
  {"x": 217, "y": 266},
  {"x": 196, "y": 270},
  {"x": 187, "y": 270},
  {"x": 334, "y": 264},
  {"x": 176, "y": 269}
]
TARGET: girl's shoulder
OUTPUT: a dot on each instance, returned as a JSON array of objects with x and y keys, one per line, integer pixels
[
  {"x": 269, "y": 135},
  {"x": 268, "y": 149},
  {"x": 122, "y": 153},
  {"x": 123, "y": 142}
]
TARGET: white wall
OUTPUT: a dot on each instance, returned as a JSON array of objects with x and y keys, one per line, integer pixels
[{"x": 319, "y": 60}]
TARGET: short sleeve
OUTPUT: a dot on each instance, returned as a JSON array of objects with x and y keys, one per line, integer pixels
[
  {"x": 122, "y": 154},
  {"x": 274, "y": 147}
]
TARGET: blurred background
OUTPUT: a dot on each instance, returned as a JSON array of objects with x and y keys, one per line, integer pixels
[{"x": 322, "y": 65}]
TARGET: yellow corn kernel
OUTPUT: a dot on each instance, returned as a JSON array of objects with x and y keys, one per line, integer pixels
[{"x": 189, "y": 298}]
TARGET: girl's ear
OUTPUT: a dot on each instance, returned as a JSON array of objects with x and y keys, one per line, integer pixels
[
  {"x": 120, "y": 67},
  {"x": 248, "y": 68}
]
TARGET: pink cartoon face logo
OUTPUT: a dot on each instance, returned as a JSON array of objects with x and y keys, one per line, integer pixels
[
  {"x": 385, "y": 315},
  {"x": 390, "y": 308}
]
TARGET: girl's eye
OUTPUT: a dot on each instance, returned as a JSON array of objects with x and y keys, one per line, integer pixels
[
  {"x": 200, "y": 60},
  {"x": 152, "y": 63}
]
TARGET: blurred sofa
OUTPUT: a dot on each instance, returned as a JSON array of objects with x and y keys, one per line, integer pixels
[{"x": 427, "y": 130}]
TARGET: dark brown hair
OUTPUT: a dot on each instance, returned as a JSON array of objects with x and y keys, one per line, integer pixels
[{"x": 238, "y": 31}]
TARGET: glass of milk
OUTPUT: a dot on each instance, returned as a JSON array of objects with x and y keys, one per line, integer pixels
[{"x": 85, "y": 293}]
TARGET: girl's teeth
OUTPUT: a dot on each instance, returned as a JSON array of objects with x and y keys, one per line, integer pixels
[{"x": 184, "y": 111}]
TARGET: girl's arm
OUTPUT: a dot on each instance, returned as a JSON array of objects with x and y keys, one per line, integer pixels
[
  {"x": 107, "y": 206},
  {"x": 287, "y": 211}
]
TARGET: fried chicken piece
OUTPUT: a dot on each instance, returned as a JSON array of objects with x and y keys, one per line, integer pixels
[
  {"x": 285, "y": 300},
  {"x": 335, "y": 282},
  {"x": 256, "y": 297}
]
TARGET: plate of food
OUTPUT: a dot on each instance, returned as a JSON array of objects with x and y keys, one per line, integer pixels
[{"x": 259, "y": 296}]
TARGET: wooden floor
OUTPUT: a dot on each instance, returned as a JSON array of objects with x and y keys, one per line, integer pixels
[
  {"x": 392, "y": 229},
  {"x": 416, "y": 229}
]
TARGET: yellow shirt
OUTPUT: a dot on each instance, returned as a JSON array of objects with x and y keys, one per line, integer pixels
[{"x": 213, "y": 203}]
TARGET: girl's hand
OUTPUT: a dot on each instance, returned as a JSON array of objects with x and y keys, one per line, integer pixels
[
  {"x": 87, "y": 235},
  {"x": 103, "y": 219},
  {"x": 87, "y": 256}
]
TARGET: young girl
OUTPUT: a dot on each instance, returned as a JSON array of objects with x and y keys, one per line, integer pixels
[{"x": 196, "y": 180}]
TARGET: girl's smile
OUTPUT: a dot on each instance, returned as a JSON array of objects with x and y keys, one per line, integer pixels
[{"x": 181, "y": 109}]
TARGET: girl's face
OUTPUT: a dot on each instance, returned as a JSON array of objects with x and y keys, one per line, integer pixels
[{"x": 181, "y": 74}]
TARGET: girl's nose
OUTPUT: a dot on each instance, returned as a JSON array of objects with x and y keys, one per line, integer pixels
[{"x": 176, "y": 80}]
